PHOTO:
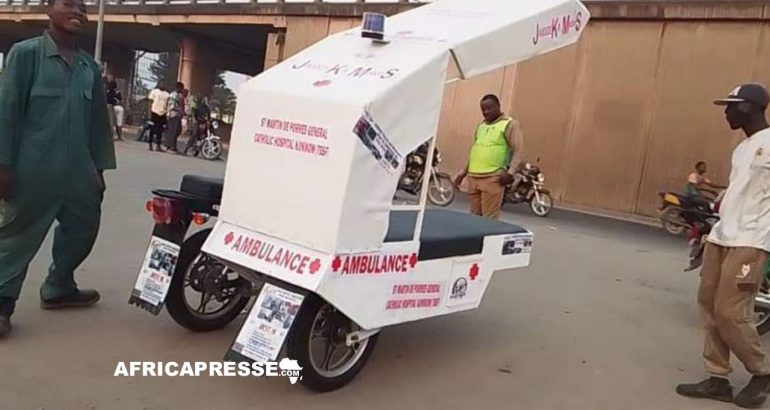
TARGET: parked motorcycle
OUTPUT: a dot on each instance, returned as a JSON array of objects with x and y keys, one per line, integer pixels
[
  {"x": 531, "y": 190},
  {"x": 208, "y": 145},
  {"x": 204, "y": 294},
  {"x": 145, "y": 131},
  {"x": 762, "y": 304},
  {"x": 441, "y": 189},
  {"x": 679, "y": 212},
  {"x": 700, "y": 220}
]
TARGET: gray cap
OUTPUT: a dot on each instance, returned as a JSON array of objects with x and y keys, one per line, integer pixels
[{"x": 752, "y": 93}]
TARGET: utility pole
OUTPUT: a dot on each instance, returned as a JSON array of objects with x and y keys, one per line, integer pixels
[{"x": 99, "y": 34}]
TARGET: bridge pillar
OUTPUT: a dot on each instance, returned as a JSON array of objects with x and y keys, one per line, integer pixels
[{"x": 195, "y": 70}]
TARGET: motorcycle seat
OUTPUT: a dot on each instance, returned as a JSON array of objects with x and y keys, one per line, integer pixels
[
  {"x": 447, "y": 233},
  {"x": 203, "y": 187}
]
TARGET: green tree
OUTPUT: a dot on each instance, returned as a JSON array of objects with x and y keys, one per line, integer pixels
[
  {"x": 165, "y": 69},
  {"x": 222, "y": 98}
]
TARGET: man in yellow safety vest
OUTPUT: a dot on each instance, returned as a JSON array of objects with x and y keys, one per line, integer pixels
[{"x": 495, "y": 155}]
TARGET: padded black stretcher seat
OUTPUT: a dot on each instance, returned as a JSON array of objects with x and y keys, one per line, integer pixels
[
  {"x": 447, "y": 233},
  {"x": 203, "y": 187}
]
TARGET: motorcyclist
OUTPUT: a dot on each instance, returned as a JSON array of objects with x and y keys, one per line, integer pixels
[
  {"x": 697, "y": 183},
  {"x": 202, "y": 114}
]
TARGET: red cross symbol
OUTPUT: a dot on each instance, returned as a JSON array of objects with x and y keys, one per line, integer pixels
[
  {"x": 474, "y": 272},
  {"x": 229, "y": 238},
  {"x": 413, "y": 260},
  {"x": 315, "y": 266},
  {"x": 336, "y": 264}
]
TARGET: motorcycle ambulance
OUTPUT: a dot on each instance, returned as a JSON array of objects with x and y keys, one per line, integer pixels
[{"x": 334, "y": 123}]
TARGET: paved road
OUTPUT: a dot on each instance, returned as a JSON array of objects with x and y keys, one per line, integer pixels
[{"x": 603, "y": 319}]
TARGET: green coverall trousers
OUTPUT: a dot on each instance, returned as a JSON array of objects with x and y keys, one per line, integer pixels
[{"x": 78, "y": 214}]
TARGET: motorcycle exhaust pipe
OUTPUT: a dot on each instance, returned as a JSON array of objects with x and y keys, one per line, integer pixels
[{"x": 762, "y": 300}]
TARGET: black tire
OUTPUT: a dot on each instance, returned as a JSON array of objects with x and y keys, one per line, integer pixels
[
  {"x": 175, "y": 300},
  {"x": 544, "y": 208},
  {"x": 764, "y": 325},
  {"x": 446, "y": 181},
  {"x": 672, "y": 221},
  {"x": 211, "y": 150},
  {"x": 298, "y": 348},
  {"x": 763, "y": 314},
  {"x": 143, "y": 136}
]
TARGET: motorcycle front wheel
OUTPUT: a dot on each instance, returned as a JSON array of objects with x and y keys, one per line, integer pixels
[
  {"x": 211, "y": 149},
  {"x": 317, "y": 342},
  {"x": 541, "y": 206},
  {"x": 441, "y": 190}
]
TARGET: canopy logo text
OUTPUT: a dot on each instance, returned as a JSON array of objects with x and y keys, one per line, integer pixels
[
  {"x": 345, "y": 70},
  {"x": 558, "y": 26}
]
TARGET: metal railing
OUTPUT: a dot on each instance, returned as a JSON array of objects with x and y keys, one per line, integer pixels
[{"x": 26, "y": 3}]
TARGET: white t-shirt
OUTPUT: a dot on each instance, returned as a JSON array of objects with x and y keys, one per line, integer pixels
[
  {"x": 159, "y": 101},
  {"x": 745, "y": 209}
]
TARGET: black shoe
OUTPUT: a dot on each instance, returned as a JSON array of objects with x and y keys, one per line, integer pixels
[
  {"x": 151, "y": 148},
  {"x": 83, "y": 298},
  {"x": 715, "y": 388},
  {"x": 755, "y": 393},
  {"x": 7, "y": 306}
]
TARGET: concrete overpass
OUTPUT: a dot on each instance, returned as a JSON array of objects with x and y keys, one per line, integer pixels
[
  {"x": 237, "y": 36},
  {"x": 247, "y": 36}
]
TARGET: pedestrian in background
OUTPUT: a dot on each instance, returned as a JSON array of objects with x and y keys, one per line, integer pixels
[
  {"x": 158, "y": 113},
  {"x": 175, "y": 115},
  {"x": 55, "y": 142},
  {"x": 497, "y": 152},
  {"x": 115, "y": 102}
]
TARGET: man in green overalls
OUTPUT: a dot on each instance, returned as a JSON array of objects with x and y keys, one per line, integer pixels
[
  {"x": 496, "y": 154},
  {"x": 55, "y": 141}
]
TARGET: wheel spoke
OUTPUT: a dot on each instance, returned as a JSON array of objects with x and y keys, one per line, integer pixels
[
  {"x": 318, "y": 333},
  {"x": 204, "y": 301},
  {"x": 330, "y": 348}
]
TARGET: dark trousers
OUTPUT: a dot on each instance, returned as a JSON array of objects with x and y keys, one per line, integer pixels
[
  {"x": 173, "y": 131},
  {"x": 157, "y": 129},
  {"x": 196, "y": 134}
]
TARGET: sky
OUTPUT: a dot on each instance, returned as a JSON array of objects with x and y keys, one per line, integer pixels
[{"x": 234, "y": 80}]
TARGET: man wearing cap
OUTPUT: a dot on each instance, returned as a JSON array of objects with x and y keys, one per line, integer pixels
[{"x": 735, "y": 257}]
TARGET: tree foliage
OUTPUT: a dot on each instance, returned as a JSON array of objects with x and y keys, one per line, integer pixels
[
  {"x": 222, "y": 98},
  {"x": 165, "y": 69}
]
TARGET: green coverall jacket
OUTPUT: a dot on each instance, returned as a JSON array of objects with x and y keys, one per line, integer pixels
[{"x": 56, "y": 138}]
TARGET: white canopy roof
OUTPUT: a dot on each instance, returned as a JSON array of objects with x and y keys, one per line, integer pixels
[{"x": 319, "y": 140}]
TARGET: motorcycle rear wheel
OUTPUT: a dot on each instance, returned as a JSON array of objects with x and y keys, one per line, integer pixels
[
  {"x": 672, "y": 221},
  {"x": 178, "y": 302}
]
